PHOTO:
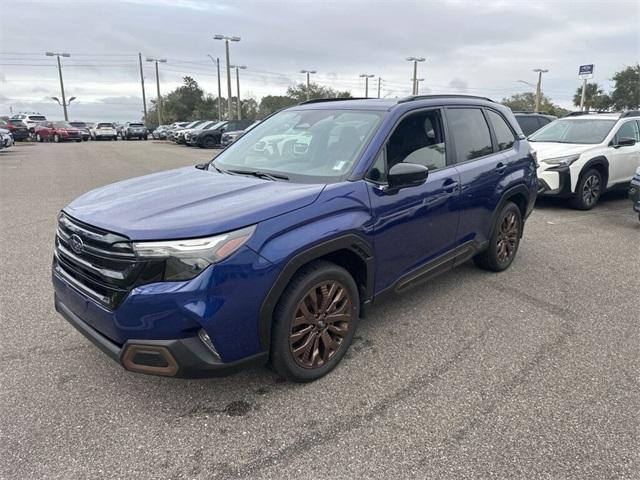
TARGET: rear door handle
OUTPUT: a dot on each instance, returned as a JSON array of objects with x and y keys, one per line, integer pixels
[
  {"x": 501, "y": 167},
  {"x": 449, "y": 185}
]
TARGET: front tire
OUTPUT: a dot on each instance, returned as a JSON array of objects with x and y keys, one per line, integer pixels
[
  {"x": 588, "y": 190},
  {"x": 504, "y": 241},
  {"x": 209, "y": 142},
  {"x": 38, "y": 138},
  {"x": 314, "y": 322},
  {"x": 56, "y": 138}
]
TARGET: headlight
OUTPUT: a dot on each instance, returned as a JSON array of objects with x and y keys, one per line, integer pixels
[
  {"x": 185, "y": 259},
  {"x": 565, "y": 161}
]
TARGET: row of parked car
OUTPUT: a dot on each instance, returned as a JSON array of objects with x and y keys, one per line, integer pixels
[{"x": 203, "y": 133}]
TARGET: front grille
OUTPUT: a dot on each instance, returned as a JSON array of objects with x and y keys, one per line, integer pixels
[{"x": 102, "y": 265}]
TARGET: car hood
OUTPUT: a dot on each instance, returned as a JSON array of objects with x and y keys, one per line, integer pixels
[
  {"x": 188, "y": 202},
  {"x": 546, "y": 150}
]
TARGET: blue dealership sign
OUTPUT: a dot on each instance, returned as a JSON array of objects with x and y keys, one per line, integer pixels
[{"x": 585, "y": 71}]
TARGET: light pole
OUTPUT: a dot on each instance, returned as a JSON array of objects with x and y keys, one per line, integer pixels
[
  {"x": 538, "y": 89},
  {"x": 418, "y": 80},
  {"x": 144, "y": 97},
  {"x": 366, "y": 77},
  {"x": 64, "y": 101},
  {"x": 238, "y": 68},
  {"x": 308, "y": 72},
  {"x": 217, "y": 62},
  {"x": 415, "y": 61},
  {"x": 226, "y": 47},
  {"x": 379, "y": 82},
  {"x": 156, "y": 60},
  {"x": 63, "y": 104}
]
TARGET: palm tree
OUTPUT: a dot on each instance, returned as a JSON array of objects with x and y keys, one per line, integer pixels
[{"x": 594, "y": 97}]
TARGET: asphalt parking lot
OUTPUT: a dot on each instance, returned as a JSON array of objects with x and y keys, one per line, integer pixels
[{"x": 531, "y": 373}]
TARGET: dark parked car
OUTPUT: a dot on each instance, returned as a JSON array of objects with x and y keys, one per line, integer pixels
[
  {"x": 530, "y": 122},
  {"x": 17, "y": 128},
  {"x": 84, "y": 129},
  {"x": 134, "y": 130},
  {"x": 211, "y": 138},
  {"x": 229, "y": 137},
  {"x": 271, "y": 251},
  {"x": 57, "y": 132},
  {"x": 634, "y": 192}
]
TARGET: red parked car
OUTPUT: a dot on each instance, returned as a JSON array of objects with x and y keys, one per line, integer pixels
[
  {"x": 57, "y": 131},
  {"x": 18, "y": 129}
]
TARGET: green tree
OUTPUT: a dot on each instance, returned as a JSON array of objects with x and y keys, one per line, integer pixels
[
  {"x": 273, "y": 103},
  {"x": 299, "y": 92},
  {"x": 526, "y": 102},
  {"x": 594, "y": 97},
  {"x": 626, "y": 91}
]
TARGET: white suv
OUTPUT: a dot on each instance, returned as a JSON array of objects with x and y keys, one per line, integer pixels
[
  {"x": 30, "y": 120},
  {"x": 103, "y": 130},
  {"x": 582, "y": 155}
]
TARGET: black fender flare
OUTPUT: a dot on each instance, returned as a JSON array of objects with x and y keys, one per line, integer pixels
[
  {"x": 352, "y": 242},
  {"x": 599, "y": 160},
  {"x": 508, "y": 193}
]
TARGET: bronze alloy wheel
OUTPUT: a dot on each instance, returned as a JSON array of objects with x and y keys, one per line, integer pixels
[
  {"x": 591, "y": 190},
  {"x": 321, "y": 322},
  {"x": 508, "y": 237}
]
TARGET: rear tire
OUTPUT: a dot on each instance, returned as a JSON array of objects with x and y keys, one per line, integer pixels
[
  {"x": 314, "y": 322},
  {"x": 588, "y": 190},
  {"x": 38, "y": 138},
  {"x": 504, "y": 241},
  {"x": 56, "y": 138}
]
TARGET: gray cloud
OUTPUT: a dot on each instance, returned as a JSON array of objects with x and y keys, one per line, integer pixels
[{"x": 481, "y": 47}]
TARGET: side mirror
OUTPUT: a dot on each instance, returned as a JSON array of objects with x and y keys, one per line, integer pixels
[
  {"x": 625, "y": 142},
  {"x": 404, "y": 175}
]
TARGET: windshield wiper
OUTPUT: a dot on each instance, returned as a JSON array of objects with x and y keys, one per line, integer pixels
[{"x": 256, "y": 173}]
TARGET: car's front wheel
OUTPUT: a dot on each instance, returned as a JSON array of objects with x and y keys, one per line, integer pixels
[
  {"x": 38, "y": 137},
  {"x": 588, "y": 190},
  {"x": 56, "y": 138},
  {"x": 314, "y": 322},
  {"x": 209, "y": 142},
  {"x": 504, "y": 241}
]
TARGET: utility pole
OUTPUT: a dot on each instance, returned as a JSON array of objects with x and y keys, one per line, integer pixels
[
  {"x": 540, "y": 71},
  {"x": 308, "y": 72},
  {"x": 144, "y": 98},
  {"x": 415, "y": 60},
  {"x": 217, "y": 63},
  {"x": 64, "y": 100},
  {"x": 238, "y": 68},
  {"x": 418, "y": 80},
  {"x": 379, "y": 80},
  {"x": 366, "y": 77},
  {"x": 159, "y": 106},
  {"x": 226, "y": 45}
]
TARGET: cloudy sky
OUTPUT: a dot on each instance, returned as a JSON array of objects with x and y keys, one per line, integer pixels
[{"x": 476, "y": 47}]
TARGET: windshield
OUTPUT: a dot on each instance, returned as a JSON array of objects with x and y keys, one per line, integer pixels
[
  {"x": 105, "y": 125},
  {"x": 306, "y": 145},
  {"x": 78, "y": 124},
  {"x": 61, "y": 125},
  {"x": 37, "y": 118},
  {"x": 205, "y": 125},
  {"x": 215, "y": 125},
  {"x": 136, "y": 125},
  {"x": 589, "y": 131}
]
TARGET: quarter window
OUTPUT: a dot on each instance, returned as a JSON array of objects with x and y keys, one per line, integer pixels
[
  {"x": 504, "y": 135},
  {"x": 470, "y": 133}
]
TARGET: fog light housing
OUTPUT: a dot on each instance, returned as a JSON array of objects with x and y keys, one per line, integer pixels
[{"x": 204, "y": 337}]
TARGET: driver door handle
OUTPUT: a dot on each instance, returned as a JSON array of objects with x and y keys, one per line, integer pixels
[
  {"x": 449, "y": 185},
  {"x": 501, "y": 167}
]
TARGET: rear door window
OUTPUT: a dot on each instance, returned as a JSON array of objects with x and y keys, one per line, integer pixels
[
  {"x": 504, "y": 135},
  {"x": 470, "y": 133}
]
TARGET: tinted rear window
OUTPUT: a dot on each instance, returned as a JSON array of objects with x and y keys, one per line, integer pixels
[
  {"x": 528, "y": 124},
  {"x": 37, "y": 118},
  {"x": 105, "y": 125},
  {"x": 504, "y": 135},
  {"x": 136, "y": 125},
  {"x": 470, "y": 133}
]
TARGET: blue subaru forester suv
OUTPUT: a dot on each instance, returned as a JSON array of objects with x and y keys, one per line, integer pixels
[{"x": 271, "y": 251}]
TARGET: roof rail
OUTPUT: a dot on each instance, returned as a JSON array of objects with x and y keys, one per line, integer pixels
[
  {"x": 592, "y": 112},
  {"x": 530, "y": 111},
  {"x": 411, "y": 98},
  {"x": 337, "y": 99},
  {"x": 630, "y": 113}
]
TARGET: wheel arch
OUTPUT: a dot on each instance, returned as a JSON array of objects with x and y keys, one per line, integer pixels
[
  {"x": 520, "y": 195},
  {"x": 349, "y": 251},
  {"x": 599, "y": 163}
]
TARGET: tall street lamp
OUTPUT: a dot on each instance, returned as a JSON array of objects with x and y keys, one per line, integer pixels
[
  {"x": 540, "y": 71},
  {"x": 226, "y": 46},
  {"x": 64, "y": 104},
  {"x": 415, "y": 61},
  {"x": 366, "y": 77},
  {"x": 64, "y": 101},
  {"x": 238, "y": 68},
  {"x": 308, "y": 72},
  {"x": 158, "y": 60}
]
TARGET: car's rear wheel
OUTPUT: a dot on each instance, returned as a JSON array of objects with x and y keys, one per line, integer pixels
[
  {"x": 504, "y": 241},
  {"x": 38, "y": 137},
  {"x": 209, "y": 142},
  {"x": 56, "y": 138},
  {"x": 79, "y": 140},
  {"x": 314, "y": 322},
  {"x": 588, "y": 190}
]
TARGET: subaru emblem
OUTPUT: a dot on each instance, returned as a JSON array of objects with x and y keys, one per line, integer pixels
[{"x": 76, "y": 244}]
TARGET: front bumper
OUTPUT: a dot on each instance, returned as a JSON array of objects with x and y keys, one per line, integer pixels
[
  {"x": 184, "y": 357},
  {"x": 555, "y": 181},
  {"x": 634, "y": 193}
]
